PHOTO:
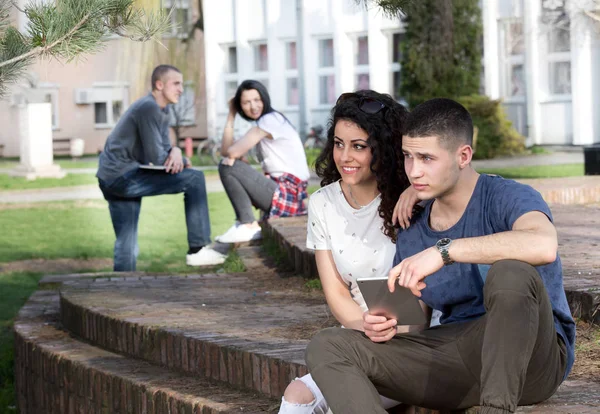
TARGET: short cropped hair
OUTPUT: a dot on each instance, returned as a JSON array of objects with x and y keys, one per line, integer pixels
[
  {"x": 444, "y": 118},
  {"x": 159, "y": 72}
]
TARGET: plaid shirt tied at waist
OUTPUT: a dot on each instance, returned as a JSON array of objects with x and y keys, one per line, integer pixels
[{"x": 288, "y": 199}]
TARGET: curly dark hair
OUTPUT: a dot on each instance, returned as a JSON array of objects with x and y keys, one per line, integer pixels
[{"x": 385, "y": 140}]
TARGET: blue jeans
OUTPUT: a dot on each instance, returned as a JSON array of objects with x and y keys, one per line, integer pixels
[{"x": 124, "y": 198}]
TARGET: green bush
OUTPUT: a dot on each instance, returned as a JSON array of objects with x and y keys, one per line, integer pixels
[
  {"x": 496, "y": 135},
  {"x": 311, "y": 156}
]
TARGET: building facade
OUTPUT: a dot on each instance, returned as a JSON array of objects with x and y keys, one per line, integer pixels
[
  {"x": 344, "y": 48},
  {"x": 90, "y": 94},
  {"x": 541, "y": 57}
]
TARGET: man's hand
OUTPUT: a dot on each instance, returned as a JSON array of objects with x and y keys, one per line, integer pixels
[
  {"x": 404, "y": 207},
  {"x": 379, "y": 328},
  {"x": 174, "y": 161},
  {"x": 411, "y": 271}
]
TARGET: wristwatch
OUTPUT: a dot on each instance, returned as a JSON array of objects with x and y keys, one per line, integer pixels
[{"x": 442, "y": 246}]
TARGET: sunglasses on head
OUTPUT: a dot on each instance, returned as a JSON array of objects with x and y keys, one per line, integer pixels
[{"x": 368, "y": 105}]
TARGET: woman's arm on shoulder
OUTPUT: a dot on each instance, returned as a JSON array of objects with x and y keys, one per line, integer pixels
[
  {"x": 343, "y": 307},
  {"x": 239, "y": 148}
]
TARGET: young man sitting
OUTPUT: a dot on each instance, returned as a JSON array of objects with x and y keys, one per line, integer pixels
[{"x": 484, "y": 252}]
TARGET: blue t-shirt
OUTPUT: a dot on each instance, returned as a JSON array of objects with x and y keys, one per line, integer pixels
[{"x": 457, "y": 290}]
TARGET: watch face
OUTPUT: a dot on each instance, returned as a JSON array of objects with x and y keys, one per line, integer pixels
[{"x": 444, "y": 242}]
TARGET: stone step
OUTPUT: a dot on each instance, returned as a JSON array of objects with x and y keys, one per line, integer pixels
[
  {"x": 224, "y": 328},
  {"x": 56, "y": 373}
]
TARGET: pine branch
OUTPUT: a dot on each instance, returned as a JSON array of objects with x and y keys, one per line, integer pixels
[
  {"x": 66, "y": 29},
  {"x": 46, "y": 49},
  {"x": 593, "y": 15}
]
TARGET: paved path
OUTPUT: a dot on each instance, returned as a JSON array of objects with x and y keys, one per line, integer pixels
[
  {"x": 82, "y": 192},
  {"x": 213, "y": 183}
]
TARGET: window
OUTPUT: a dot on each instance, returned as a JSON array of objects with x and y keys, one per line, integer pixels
[
  {"x": 100, "y": 113},
  {"x": 326, "y": 53},
  {"x": 560, "y": 78},
  {"x": 110, "y": 101},
  {"x": 327, "y": 89},
  {"x": 362, "y": 81},
  {"x": 559, "y": 59},
  {"x": 291, "y": 74},
  {"x": 396, "y": 40},
  {"x": 362, "y": 50},
  {"x": 230, "y": 75},
  {"x": 231, "y": 62},
  {"x": 117, "y": 110},
  {"x": 261, "y": 58},
  {"x": 230, "y": 88},
  {"x": 183, "y": 113},
  {"x": 361, "y": 60},
  {"x": 180, "y": 17},
  {"x": 293, "y": 97},
  {"x": 326, "y": 72},
  {"x": 291, "y": 61},
  {"x": 512, "y": 58}
]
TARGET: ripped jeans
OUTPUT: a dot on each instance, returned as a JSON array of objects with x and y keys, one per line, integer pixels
[{"x": 318, "y": 405}]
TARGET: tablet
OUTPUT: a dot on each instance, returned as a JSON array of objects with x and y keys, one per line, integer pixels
[
  {"x": 152, "y": 167},
  {"x": 401, "y": 304}
]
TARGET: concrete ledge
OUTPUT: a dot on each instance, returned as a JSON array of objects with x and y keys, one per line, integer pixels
[
  {"x": 579, "y": 247},
  {"x": 58, "y": 374}
]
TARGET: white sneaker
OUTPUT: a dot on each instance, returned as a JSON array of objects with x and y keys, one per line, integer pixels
[
  {"x": 205, "y": 257},
  {"x": 230, "y": 232},
  {"x": 240, "y": 234}
]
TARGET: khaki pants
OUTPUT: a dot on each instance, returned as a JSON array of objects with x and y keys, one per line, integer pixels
[{"x": 511, "y": 355}]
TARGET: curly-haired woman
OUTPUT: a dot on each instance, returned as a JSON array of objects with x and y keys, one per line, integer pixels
[
  {"x": 283, "y": 192},
  {"x": 351, "y": 218}
]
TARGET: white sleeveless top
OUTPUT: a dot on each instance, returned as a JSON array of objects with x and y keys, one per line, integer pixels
[
  {"x": 355, "y": 237},
  {"x": 284, "y": 153}
]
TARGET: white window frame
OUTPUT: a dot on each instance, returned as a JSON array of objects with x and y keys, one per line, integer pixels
[
  {"x": 359, "y": 69},
  {"x": 324, "y": 71},
  {"x": 508, "y": 61},
  {"x": 110, "y": 121},
  {"x": 254, "y": 45},
  {"x": 290, "y": 73},
  {"x": 227, "y": 75},
  {"x": 394, "y": 67},
  {"x": 554, "y": 57},
  {"x": 178, "y": 32},
  {"x": 189, "y": 118}
]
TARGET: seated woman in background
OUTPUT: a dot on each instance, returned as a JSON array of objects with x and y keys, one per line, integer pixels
[
  {"x": 351, "y": 218},
  {"x": 282, "y": 192}
]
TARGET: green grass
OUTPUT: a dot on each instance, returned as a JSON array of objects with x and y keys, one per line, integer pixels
[
  {"x": 19, "y": 183},
  {"x": 314, "y": 284},
  {"x": 83, "y": 229},
  {"x": 537, "y": 171},
  {"x": 66, "y": 163},
  {"x": 537, "y": 150}
]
